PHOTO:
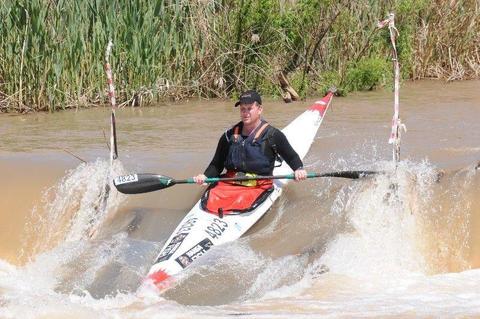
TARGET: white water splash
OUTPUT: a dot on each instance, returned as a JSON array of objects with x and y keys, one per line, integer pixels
[
  {"x": 76, "y": 207},
  {"x": 382, "y": 215},
  {"x": 275, "y": 274}
]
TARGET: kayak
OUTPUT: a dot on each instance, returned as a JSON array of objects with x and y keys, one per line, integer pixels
[{"x": 200, "y": 230}]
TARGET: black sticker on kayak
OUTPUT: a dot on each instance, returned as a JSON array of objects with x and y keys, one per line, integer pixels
[
  {"x": 171, "y": 247},
  {"x": 195, "y": 252},
  {"x": 187, "y": 226}
]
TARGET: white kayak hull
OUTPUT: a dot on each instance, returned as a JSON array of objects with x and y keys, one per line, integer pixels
[{"x": 201, "y": 230}]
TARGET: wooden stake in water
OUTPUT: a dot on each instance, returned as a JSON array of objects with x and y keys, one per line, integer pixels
[
  {"x": 104, "y": 195},
  {"x": 111, "y": 95},
  {"x": 395, "y": 135}
]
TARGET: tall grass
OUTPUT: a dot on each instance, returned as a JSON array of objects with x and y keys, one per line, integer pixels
[{"x": 51, "y": 50}]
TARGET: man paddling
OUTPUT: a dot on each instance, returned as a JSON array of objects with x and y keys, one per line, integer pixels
[{"x": 250, "y": 148}]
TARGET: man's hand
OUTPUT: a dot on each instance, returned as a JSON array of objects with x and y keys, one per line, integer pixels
[
  {"x": 300, "y": 174},
  {"x": 200, "y": 179}
]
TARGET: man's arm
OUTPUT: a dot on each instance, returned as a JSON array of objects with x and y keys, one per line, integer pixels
[
  {"x": 216, "y": 166},
  {"x": 286, "y": 151}
]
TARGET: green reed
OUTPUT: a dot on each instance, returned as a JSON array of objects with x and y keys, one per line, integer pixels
[{"x": 51, "y": 51}]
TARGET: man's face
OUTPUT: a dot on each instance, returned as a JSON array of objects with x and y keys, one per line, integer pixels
[{"x": 250, "y": 113}]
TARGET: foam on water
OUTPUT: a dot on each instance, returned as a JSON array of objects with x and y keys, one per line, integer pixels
[
  {"x": 57, "y": 283},
  {"x": 379, "y": 265},
  {"x": 377, "y": 262}
]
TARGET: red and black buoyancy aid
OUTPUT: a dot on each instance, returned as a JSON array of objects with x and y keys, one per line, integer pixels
[{"x": 248, "y": 154}]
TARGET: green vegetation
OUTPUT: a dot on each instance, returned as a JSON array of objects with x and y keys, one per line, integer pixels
[{"x": 52, "y": 51}]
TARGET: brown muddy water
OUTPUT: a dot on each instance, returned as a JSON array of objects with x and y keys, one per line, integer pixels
[{"x": 404, "y": 244}]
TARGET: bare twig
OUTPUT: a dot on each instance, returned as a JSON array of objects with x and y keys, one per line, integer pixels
[{"x": 76, "y": 156}]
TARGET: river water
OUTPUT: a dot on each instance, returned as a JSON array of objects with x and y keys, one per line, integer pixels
[{"x": 404, "y": 244}]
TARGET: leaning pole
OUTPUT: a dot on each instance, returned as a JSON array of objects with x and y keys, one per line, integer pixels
[{"x": 397, "y": 125}]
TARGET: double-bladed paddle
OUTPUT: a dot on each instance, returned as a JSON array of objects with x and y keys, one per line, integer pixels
[{"x": 144, "y": 183}]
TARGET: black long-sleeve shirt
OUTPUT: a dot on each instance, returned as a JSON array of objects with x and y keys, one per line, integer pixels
[{"x": 283, "y": 147}]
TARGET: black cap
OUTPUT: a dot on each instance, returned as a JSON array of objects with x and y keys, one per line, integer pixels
[{"x": 248, "y": 97}]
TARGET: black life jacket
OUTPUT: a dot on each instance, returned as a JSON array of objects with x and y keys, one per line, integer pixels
[{"x": 248, "y": 154}]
